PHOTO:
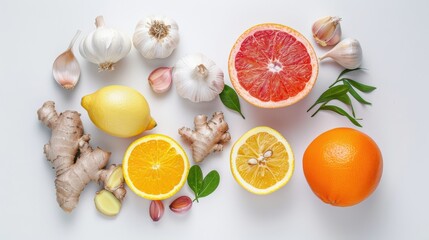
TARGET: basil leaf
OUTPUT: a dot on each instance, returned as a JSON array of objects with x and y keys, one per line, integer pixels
[
  {"x": 345, "y": 71},
  {"x": 341, "y": 112},
  {"x": 361, "y": 87},
  {"x": 230, "y": 99},
  {"x": 356, "y": 95},
  {"x": 195, "y": 179},
  {"x": 331, "y": 93},
  {"x": 346, "y": 100},
  {"x": 210, "y": 183}
]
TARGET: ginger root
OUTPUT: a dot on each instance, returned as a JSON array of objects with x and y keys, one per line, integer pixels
[
  {"x": 208, "y": 136},
  {"x": 75, "y": 162}
]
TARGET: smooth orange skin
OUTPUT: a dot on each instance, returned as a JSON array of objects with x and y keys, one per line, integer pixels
[{"x": 343, "y": 166}]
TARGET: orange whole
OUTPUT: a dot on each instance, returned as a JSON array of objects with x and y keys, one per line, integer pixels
[
  {"x": 343, "y": 166},
  {"x": 272, "y": 66}
]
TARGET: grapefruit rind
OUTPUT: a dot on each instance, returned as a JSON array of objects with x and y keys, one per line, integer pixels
[
  {"x": 173, "y": 144},
  {"x": 244, "y": 183},
  {"x": 271, "y": 104}
]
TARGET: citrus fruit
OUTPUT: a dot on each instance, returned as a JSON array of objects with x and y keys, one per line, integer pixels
[
  {"x": 262, "y": 160},
  {"x": 119, "y": 110},
  {"x": 343, "y": 166},
  {"x": 272, "y": 66},
  {"x": 155, "y": 167}
]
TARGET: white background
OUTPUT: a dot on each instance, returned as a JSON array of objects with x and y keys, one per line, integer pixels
[{"x": 394, "y": 36}]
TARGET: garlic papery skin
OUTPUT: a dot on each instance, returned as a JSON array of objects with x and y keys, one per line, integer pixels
[
  {"x": 105, "y": 46},
  {"x": 327, "y": 31},
  {"x": 347, "y": 53},
  {"x": 156, "y": 37},
  {"x": 160, "y": 79},
  {"x": 66, "y": 69},
  {"x": 198, "y": 78}
]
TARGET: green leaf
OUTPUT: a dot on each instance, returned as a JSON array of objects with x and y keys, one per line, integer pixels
[
  {"x": 230, "y": 99},
  {"x": 346, "y": 100},
  {"x": 331, "y": 93},
  {"x": 195, "y": 180},
  {"x": 210, "y": 183},
  {"x": 361, "y": 87},
  {"x": 345, "y": 71},
  {"x": 341, "y": 112},
  {"x": 356, "y": 95}
]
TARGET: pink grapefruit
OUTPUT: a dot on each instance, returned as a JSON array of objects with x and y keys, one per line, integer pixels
[{"x": 272, "y": 66}]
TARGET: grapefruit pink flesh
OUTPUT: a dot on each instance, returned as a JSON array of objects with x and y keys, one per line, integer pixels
[{"x": 273, "y": 65}]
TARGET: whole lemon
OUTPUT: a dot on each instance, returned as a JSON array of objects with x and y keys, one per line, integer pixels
[{"x": 119, "y": 111}]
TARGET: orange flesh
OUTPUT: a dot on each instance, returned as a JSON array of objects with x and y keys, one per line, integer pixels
[
  {"x": 272, "y": 65},
  {"x": 265, "y": 174},
  {"x": 155, "y": 167}
]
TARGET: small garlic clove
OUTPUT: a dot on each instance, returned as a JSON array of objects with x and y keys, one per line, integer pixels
[
  {"x": 347, "y": 53},
  {"x": 327, "y": 31},
  {"x": 160, "y": 79},
  {"x": 66, "y": 69},
  {"x": 181, "y": 204},
  {"x": 156, "y": 210}
]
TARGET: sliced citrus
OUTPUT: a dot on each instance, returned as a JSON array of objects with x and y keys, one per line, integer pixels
[
  {"x": 155, "y": 167},
  {"x": 262, "y": 160},
  {"x": 272, "y": 66}
]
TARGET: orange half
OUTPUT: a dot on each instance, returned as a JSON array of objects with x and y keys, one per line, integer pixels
[{"x": 155, "y": 167}]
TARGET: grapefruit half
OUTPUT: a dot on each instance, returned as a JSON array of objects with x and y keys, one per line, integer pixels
[{"x": 272, "y": 66}]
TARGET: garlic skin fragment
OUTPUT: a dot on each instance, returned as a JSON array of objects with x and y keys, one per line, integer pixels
[
  {"x": 198, "y": 78},
  {"x": 156, "y": 37},
  {"x": 327, "y": 31},
  {"x": 66, "y": 69},
  {"x": 105, "y": 46},
  {"x": 347, "y": 53},
  {"x": 160, "y": 79}
]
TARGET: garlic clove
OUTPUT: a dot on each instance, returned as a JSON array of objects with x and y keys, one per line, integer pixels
[
  {"x": 347, "y": 53},
  {"x": 181, "y": 204},
  {"x": 66, "y": 69},
  {"x": 156, "y": 210},
  {"x": 327, "y": 31},
  {"x": 160, "y": 79},
  {"x": 198, "y": 78}
]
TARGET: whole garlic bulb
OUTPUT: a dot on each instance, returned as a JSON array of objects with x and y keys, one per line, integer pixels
[
  {"x": 197, "y": 78},
  {"x": 105, "y": 46},
  {"x": 156, "y": 37},
  {"x": 347, "y": 53}
]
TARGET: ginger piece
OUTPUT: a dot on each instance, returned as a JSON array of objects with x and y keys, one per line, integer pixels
[
  {"x": 107, "y": 203},
  {"x": 208, "y": 136},
  {"x": 75, "y": 162}
]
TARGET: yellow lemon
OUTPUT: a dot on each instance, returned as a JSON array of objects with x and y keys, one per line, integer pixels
[
  {"x": 119, "y": 110},
  {"x": 262, "y": 160}
]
